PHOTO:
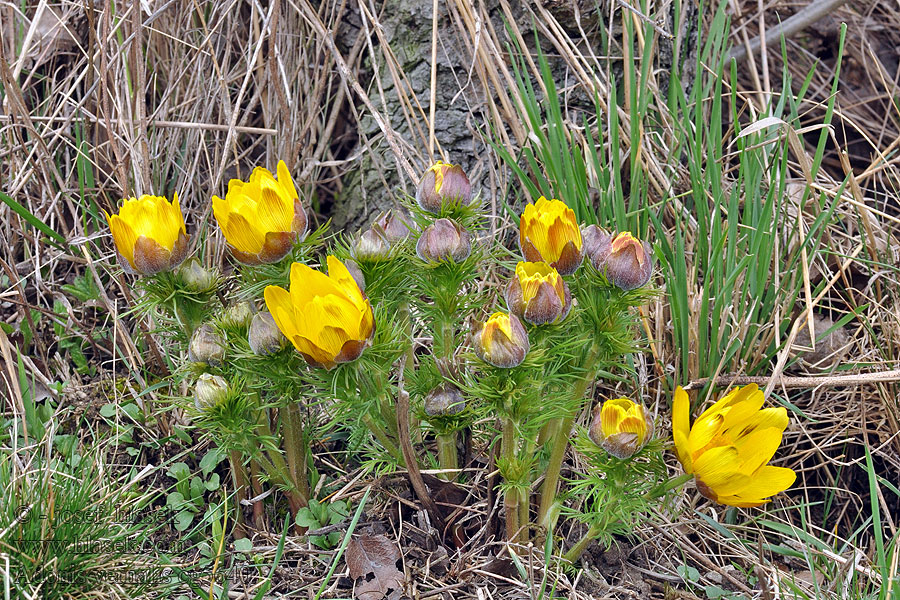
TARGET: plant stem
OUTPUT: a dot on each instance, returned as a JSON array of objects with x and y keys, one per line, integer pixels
[
  {"x": 447, "y": 455},
  {"x": 578, "y": 549},
  {"x": 669, "y": 485},
  {"x": 295, "y": 450},
  {"x": 561, "y": 439},
  {"x": 386, "y": 404},
  {"x": 385, "y": 440},
  {"x": 446, "y": 328},
  {"x": 404, "y": 314},
  {"x": 185, "y": 318},
  {"x": 511, "y": 496},
  {"x": 239, "y": 480},
  {"x": 524, "y": 513},
  {"x": 547, "y": 432},
  {"x": 275, "y": 467},
  {"x": 258, "y": 509}
]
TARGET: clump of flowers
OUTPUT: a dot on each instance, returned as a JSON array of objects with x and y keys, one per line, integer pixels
[{"x": 302, "y": 338}]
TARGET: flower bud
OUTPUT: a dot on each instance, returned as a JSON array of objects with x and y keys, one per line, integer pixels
[
  {"x": 446, "y": 400},
  {"x": 356, "y": 273},
  {"x": 621, "y": 427},
  {"x": 206, "y": 346},
  {"x": 264, "y": 336},
  {"x": 237, "y": 315},
  {"x": 502, "y": 341},
  {"x": 597, "y": 245},
  {"x": 630, "y": 262},
  {"x": 443, "y": 184},
  {"x": 209, "y": 391},
  {"x": 194, "y": 277},
  {"x": 538, "y": 294},
  {"x": 444, "y": 240},
  {"x": 371, "y": 245},
  {"x": 393, "y": 226}
]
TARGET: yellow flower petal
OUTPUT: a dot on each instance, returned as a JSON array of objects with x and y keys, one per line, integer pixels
[
  {"x": 243, "y": 235},
  {"x": 340, "y": 275},
  {"x": 221, "y": 211},
  {"x": 767, "y": 482},
  {"x": 634, "y": 424},
  {"x": 776, "y": 418},
  {"x": 278, "y": 302},
  {"x": 286, "y": 181},
  {"x": 610, "y": 416},
  {"x": 718, "y": 465},
  {"x": 747, "y": 400},
  {"x": 123, "y": 236},
  {"x": 500, "y": 321},
  {"x": 274, "y": 211},
  {"x": 681, "y": 428},
  {"x": 758, "y": 448},
  {"x": 703, "y": 433}
]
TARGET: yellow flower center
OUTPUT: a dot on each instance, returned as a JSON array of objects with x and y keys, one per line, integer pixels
[
  {"x": 439, "y": 167},
  {"x": 623, "y": 416},
  {"x": 532, "y": 274}
]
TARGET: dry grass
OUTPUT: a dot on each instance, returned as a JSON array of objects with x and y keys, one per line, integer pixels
[{"x": 160, "y": 97}]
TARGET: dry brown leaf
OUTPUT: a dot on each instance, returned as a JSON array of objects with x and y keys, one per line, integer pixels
[{"x": 372, "y": 560}]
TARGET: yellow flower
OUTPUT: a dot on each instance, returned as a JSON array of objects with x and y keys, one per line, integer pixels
[
  {"x": 149, "y": 234},
  {"x": 261, "y": 218},
  {"x": 538, "y": 294},
  {"x": 728, "y": 447},
  {"x": 502, "y": 341},
  {"x": 326, "y": 317},
  {"x": 549, "y": 233},
  {"x": 621, "y": 427}
]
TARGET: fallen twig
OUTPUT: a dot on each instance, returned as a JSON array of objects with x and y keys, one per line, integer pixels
[
  {"x": 793, "y": 24},
  {"x": 800, "y": 382}
]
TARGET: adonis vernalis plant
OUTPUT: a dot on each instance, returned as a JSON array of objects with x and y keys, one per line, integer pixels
[{"x": 312, "y": 338}]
